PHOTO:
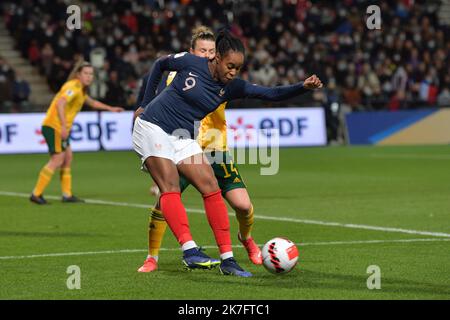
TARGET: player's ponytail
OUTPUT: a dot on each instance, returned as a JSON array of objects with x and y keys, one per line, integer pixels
[
  {"x": 226, "y": 42},
  {"x": 202, "y": 33},
  {"x": 78, "y": 67}
]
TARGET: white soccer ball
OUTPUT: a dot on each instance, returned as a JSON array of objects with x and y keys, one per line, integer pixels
[{"x": 280, "y": 255}]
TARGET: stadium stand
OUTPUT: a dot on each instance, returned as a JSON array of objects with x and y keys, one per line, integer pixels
[
  {"x": 404, "y": 65},
  {"x": 14, "y": 90}
]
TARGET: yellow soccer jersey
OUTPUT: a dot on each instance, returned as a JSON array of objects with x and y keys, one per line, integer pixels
[
  {"x": 72, "y": 90},
  {"x": 170, "y": 77},
  {"x": 213, "y": 128}
]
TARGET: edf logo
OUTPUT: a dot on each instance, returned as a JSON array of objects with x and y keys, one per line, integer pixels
[
  {"x": 8, "y": 131},
  {"x": 92, "y": 131},
  {"x": 109, "y": 129},
  {"x": 286, "y": 126}
]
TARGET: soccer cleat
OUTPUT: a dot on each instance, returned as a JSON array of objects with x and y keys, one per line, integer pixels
[
  {"x": 230, "y": 267},
  {"x": 150, "y": 264},
  {"x": 38, "y": 200},
  {"x": 195, "y": 259},
  {"x": 254, "y": 252},
  {"x": 72, "y": 199}
]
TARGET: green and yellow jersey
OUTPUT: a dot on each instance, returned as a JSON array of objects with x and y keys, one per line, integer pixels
[{"x": 75, "y": 96}]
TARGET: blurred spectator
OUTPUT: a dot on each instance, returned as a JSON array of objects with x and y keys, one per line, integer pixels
[
  {"x": 34, "y": 53},
  {"x": 403, "y": 65},
  {"x": 6, "y": 72},
  {"x": 428, "y": 90},
  {"x": 369, "y": 85},
  {"x": 6, "y": 90},
  {"x": 21, "y": 90},
  {"x": 443, "y": 100},
  {"x": 400, "y": 79},
  {"x": 398, "y": 101},
  {"x": 352, "y": 95},
  {"x": 5, "y": 95},
  {"x": 47, "y": 55},
  {"x": 115, "y": 94}
]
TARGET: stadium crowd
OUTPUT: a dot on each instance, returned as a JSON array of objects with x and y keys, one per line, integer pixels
[
  {"x": 404, "y": 65},
  {"x": 14, "y": 90}
]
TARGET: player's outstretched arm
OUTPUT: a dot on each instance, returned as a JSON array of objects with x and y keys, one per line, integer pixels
[
  {"x": 102, "y": 106},
  {"x": 244, "y": 89},
  {"x": 172, "y": 62}
]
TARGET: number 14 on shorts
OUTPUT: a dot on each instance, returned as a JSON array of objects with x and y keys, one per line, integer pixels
[{"x": 232, "y": 169}]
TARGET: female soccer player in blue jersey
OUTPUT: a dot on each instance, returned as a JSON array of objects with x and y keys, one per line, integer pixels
[
  {"x": 213, "y": 140},
  {"x": 163, "y": 137}
]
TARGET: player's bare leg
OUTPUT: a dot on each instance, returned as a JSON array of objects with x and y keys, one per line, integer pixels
[
  {"x": 199, "y": 172},
  {"x": 165, "y": 174},
  {"x": 239, "y": 200},
  {"x": 56, "y": 160}
]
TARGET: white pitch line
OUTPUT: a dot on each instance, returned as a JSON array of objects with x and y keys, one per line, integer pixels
[
  {"x": 370, "y": 242},
  {"x": 301, "y": 244},
  {"x": 65, "y": 254},
  {"x": 262, "y": 217},
  {"x": 412, "y": 156}
]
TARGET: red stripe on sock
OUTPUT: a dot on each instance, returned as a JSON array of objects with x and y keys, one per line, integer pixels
[
  {"x": 175, "y": 215},
  {"x": 217, "y": 214}
]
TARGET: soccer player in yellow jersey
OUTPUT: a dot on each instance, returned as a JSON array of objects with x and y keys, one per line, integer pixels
[
  {"x": 213, "y": 139},
  {"x": 56, "y": 130}
]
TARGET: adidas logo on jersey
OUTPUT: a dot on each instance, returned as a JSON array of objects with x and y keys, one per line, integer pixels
[{"x": 237, "y": 180}]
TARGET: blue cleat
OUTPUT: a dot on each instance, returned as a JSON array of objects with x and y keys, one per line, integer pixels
[
  {"x": 230, "y": 267},
  {"x": 195, "y": 259},
  {"x": 72, "y": 199},
  {"x": 38, "y": 199}
]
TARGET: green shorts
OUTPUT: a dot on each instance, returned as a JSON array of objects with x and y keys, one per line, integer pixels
[
  {"x": 225, "y": 170},
  {"x": 53, "y": 139}
]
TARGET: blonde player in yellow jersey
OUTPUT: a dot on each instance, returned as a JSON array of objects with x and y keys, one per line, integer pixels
[
  {"x": 56, "y": 130},
  {"x": 213, "y": 139}
]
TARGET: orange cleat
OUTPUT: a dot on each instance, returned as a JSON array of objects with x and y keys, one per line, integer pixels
[
  {"x": 150, "y": 264},
  {"x": 254, "y": 252}
]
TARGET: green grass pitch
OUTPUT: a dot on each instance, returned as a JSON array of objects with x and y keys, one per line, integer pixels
[{"x": 405, "y": 191}]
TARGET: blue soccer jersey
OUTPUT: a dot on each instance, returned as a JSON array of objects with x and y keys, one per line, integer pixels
[
  {"x": 140, "y": 97},
  {"x": 194, "y": 93}
]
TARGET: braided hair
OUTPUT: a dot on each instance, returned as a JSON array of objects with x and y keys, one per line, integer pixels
[{"x": 226, "y": 42}]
